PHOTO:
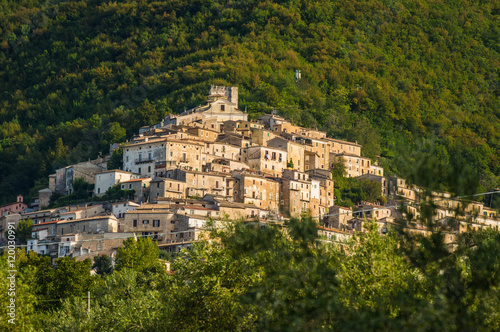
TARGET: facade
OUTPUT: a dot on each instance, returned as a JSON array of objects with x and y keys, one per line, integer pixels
[
  {"x": 62, "y": 181},
  {"x": 141, "y": 188},
  {"x": 296, "y": 192},
  {"x": 354, "y": 165},
  {"x": 7, "y": 221},
  {"x": 107, "y": 224},
  {"x": 120, "y": 208},
  {"x": 222, "y": 105},
  {"x": 266, "y": 159},
  {"x": 295, "y": 152},
  {"x": 164, "y": 187},
  {"x": 107, "y": 179},
  {"x": 258, "y": 190},
  {"x": 154, "y": 220},
  {"x": 17, "y": 207}
]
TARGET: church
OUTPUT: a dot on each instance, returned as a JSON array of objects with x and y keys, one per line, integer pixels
[{"x": 222, "y": 105}]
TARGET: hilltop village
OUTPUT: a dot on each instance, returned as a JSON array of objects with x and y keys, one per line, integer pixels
[{"x": 211, "y": 162}]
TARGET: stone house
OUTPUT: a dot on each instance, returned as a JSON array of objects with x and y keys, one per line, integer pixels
[
  {"x": 266, "y": 159},
  {"x": 295, "y": 152},
  {"x": 260, "y": 136},
  {"x": 338, "y": 146},
  {"x": 256, "y": 189},
  {"x": 6, "y": 220},
  {"x": 205, "y": 134},
  {"x": 200, "y": 183},
  {"x": 338, "y": 217},
  {"x": 296, "y": 192},
  {"x": 140, "y": 186},
  {"x": 96, "y": 224},
  {"x": 107, "y": 179},
  {"x": 155, "y": 220},
  {"x": 354, "y": 165},
  {"x": 142, "y": 157},
  {"x": 17, "y": 207},
  {"x": 322, "y": 191},
  {"x": 62, "y": 181},
  {"x": 165, "y": 187}
]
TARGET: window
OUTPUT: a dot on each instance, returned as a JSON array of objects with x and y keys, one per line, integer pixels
[
  {"x": 222, "y": 108},
  {"x": 139, "y": 170},
  {"x": 145, "y": 222},
  {"x": 149, "y": 169},
  {"x": 156, "y": 223}
]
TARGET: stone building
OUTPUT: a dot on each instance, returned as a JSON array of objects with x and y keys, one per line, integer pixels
[
  {"x": 296, "y": 192},
  {"x": 222, "y": 104},
  {"x": 295, "y": 152},
  {"x": 164, "y": 187},
  {"x": 107, "y": 179},
  {"x": 322, "y": 191},
  {"x": 142, "y": 157},
  {"x": 266, "y": 159},
  {"x": 256, "y": 189},
  {"x": 354, "y": 165},
  {"x": 96, "y": 224},
  {"x": 200, "y": 183},
  {"x": 17, "y": 207},
  {"x": 155, "y": 220},
  {"x": 62, "y": 181}
]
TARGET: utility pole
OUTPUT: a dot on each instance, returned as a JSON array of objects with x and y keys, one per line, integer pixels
[{"x": 88, "y": 303}]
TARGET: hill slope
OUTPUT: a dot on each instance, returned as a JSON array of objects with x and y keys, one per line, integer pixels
[{"x": 78, "y": 75}]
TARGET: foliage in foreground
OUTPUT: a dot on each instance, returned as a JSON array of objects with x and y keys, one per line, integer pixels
[{"x": 254, "y": 279}]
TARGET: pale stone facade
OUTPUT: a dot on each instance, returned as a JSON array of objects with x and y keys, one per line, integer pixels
[
  {"x": 266, "y": 159},
  {"x": 107, "y": 179},
  {"x": 295, "y": 152},
  {"x": 261, "y": 191},
  {"x": 92, "y": 224}
]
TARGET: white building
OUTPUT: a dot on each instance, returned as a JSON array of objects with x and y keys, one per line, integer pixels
[
  {"x": 107, "y": 179},
  {"x": 120, "y": 208}
]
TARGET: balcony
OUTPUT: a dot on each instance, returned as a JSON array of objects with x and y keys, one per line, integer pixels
[{"x": 144, "y": 161}]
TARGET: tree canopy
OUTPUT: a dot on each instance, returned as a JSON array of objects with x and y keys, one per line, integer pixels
[{"x": 77, "y": 76}]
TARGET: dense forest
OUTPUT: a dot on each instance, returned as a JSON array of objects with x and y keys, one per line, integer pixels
[{"x": 76, "y": 76}]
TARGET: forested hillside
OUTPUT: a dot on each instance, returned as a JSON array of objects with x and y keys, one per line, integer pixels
[{"x": 78, "y": 75}]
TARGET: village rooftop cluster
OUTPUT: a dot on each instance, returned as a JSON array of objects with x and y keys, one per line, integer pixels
[{"x": 211, "y": 162}]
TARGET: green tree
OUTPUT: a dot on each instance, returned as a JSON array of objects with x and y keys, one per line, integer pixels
[
  {"x": 371, "y": 189},
  {"x": 146, "y": 114},
  {"x": 139, "y": 255},
  {"x": 103, "y": 264},
  {"x": 116, "y": 159},
  {"x": 23, "y": 231},
  {"x": 81, "y": 188}
]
